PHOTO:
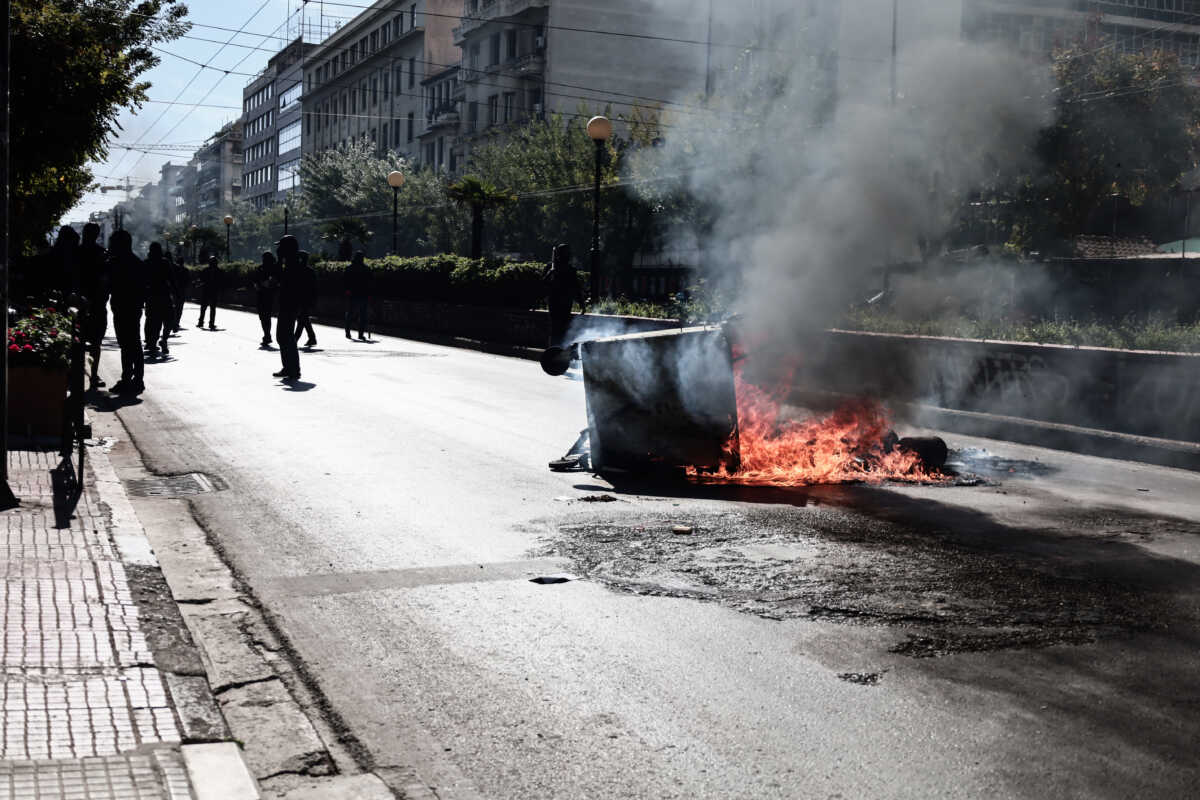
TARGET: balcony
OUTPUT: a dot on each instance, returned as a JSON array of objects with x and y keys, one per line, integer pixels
[
  {"x": 489, "y": 10},
  {"x": 528, "y": 65}
]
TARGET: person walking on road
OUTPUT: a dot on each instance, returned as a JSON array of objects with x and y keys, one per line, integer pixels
[
  {"x": 356, "y": 280},
  {"x": 181, "y": 276},
  {"x": 290, "y": 296},
  {"x": 158, "y": 301},
  {"x": 210, "y": 292},
  {"x": 562, "y": 288},
  {"x": 128, "y": 300},
  {"x": 308, "y": 300},
  {"x": 266, "y": 284},
  {"x": 94, "y": 284}
]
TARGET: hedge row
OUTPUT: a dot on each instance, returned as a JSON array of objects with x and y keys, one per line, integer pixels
[{"x": 444, "y": 278}]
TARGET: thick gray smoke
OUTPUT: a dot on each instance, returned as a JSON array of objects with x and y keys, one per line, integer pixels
[{"x": 814, "y": 177}]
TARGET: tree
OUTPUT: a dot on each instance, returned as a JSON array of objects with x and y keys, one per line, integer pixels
[
  {"x": 347, "y": 229},
  {"x": 1124, "y": 124},
  {"x": 479, "y": 196},
  {"x": 75, "y": 65}
]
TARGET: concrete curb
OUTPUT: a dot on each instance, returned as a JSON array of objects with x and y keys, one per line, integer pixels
[{"x": 218, "y": 772}]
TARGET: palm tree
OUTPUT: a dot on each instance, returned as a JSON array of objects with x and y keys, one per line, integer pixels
[{"x": 480, "y": 196}]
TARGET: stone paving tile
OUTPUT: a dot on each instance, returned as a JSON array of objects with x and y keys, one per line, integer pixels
[
  {"x": 138, "y": 776},
  {"x": 82, "y": 708}
]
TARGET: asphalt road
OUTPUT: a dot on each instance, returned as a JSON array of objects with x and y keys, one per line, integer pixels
[{"x": 1031, "y": 636}]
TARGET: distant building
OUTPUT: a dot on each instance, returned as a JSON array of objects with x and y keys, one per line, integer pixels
[
  {"x": 167, "y": 183},
  {"x": 1129, "y": 25},
  {"x": 273, "y": 126},
  {"x": 219, "y": 171},
  {"x": 365, "y": 81}
]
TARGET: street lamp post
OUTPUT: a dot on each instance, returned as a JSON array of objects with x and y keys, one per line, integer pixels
[
  {"x": 228, "y": 223},
  {"x": 395, "y": 180},
  {"x": 599, "y": 129}
]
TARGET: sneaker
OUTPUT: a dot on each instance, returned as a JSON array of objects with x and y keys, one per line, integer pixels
[
  {"x": 283, "y": 373},
  {"x": 212, "y": 327},
  {"x": 165, "y": 351},
  {"x": 362, "y": 338},
  {"x": 119, "y": 386},
  {"x": 311, "y": 343},
  {"x": 348, "y": 335},
  {"x": 138, "y": 387}
]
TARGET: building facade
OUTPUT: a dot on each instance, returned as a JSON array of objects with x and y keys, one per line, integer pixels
[
  {"x": 273, "y": 125},
  {"x": 366, "y": 81},
  {"x": 219, "y": 171}
]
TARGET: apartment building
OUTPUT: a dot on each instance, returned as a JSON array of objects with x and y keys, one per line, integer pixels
[
  {"x": 219, "y": 171},
  {"x": 273, "y": 127},
  {"x": 367, "y": 80},
  {"x": 1129, "y": 25}
]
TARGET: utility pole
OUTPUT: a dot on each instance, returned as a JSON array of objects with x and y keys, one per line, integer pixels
[
  {"x": 708, "y": 56},
  {"x": 895, "y": 26},
  {"x": 7, "y": 498}
]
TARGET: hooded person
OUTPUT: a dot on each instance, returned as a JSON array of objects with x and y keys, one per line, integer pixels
[
  {"x": 94, "y": 282},
  {"x": 562, "y": 290},
  {"x": 129, "y": 286},
  {"x": 159, "y": 308},
  {"x": 292, "y": 291},
  {"x": 266, "y": 285},
  {"x": 212, "y": 280},
  {"x": 356, "y": 282}
]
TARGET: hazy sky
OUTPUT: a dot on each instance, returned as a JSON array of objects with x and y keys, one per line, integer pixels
[{"x": 268, "y": 24}]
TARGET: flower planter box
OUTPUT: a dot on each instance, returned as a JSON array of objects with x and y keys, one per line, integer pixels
[{"x": 37, "y": 397}]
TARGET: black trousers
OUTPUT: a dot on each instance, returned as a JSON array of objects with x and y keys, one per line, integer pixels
[
  {"x": 158, "y": 322},
  {"x": 127, "y": 325},
  {"x": 97, "y": 326},
  {"x": 208, "y": 303},
  {"x": 356, "y": 307},
  {"x": 265, "y": 304},
  {"x": 560, "y": 323},
  {"x": 303, "y": 323},
  {"x": 284, "y": 334}
]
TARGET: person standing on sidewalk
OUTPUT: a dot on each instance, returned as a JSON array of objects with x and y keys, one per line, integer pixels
[
  {"x": 308, "y": 301},
  {"x": 128, "y": 300},
  {"x": 94, "y": 283},
  {"x": 356, "y": 280},
  {"x": 290, "y": 297},
  {"x": 266, "y": 283},
  {"x": 158, "y": 301},
  {"x": 210, "y": 292}
]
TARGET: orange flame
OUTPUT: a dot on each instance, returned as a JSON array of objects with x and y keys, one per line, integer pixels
[{"x": 846, "y": 446}]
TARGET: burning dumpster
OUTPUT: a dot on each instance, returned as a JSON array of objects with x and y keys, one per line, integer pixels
[{"x": 664, "y": 399}]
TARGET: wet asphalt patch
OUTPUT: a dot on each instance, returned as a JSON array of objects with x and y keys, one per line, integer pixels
[{"x": 944, "y": 591}]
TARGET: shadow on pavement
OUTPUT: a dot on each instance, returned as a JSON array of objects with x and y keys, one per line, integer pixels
[{"x": 298, "y": 386}]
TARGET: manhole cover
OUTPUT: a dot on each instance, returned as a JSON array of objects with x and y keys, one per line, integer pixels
[{"x": 174, "y": 485}]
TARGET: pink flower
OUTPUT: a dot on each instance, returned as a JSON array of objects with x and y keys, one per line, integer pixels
[
  {"x": 14, "y": 348},
  {"x": 50, "y": 310},
  {"x": 27, "y": 347},
  {"x": 54, "y": 331}
]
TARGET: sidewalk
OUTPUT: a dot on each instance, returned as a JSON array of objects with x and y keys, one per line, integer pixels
[{"x": 87, "y": 711}]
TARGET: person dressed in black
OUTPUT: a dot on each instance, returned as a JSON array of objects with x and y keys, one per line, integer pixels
[
  {"x": 291, "y": 292},
  {"x": 210, "y": 292},
  {"x": 63, "y": 276},
  {"x": 266, "y": 284},
  {"x": 128, "y": 300},
  {"x": 94, "y": 284},
  {"x": 308, "y": 299},
  {"x": 356, "y": 280},
  {"x": 181, "y": 276},
  {"x": 158, "y": 301},
  {"x": 562, "y": 288}
]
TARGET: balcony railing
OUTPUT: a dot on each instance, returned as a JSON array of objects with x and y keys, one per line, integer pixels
[{"x": 489, "y": 10}]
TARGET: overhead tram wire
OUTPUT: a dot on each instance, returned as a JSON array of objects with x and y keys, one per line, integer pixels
[
  {"x": 193, "y": 107},
  {"x": 185, "y": 87}
]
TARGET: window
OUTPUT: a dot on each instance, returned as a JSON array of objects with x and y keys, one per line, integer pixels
[
  {"x": 399, "y": 76},
  {"x": 510, "y": 45},
  {"x": 493, "y": 109},
  {"x": 353, "y": 53},
  {"x": 385, "y": 34},
  {"x": 289, "y": 96},
  {"x": 473, "y": 61},
  {"x": 343, "y": 104},
  {"x": 493, "y": 49},
  {"x": 362, "y": 47},
  {"x": 411, "y": 121},
  {"x": 374, "y": 41},
  {"x": 412, "y": 72},
  {"x": 396, "y": 134},
  {"x": 398, "y": 26},
  {"x": 441, "y": 151},
  {"x": 510, "y": 106},
  {"x": 383, "y": 135},
  {"x": 472, "y": 115},
  {"x": 412, "y": 16},
  {"x": 289, "y": 137},
  {"x": 362, "y": 93},
  {"x": 386, "y": 85},
  {"x": 374, "y": 91},
  {"x": 353, "y": 102}
]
